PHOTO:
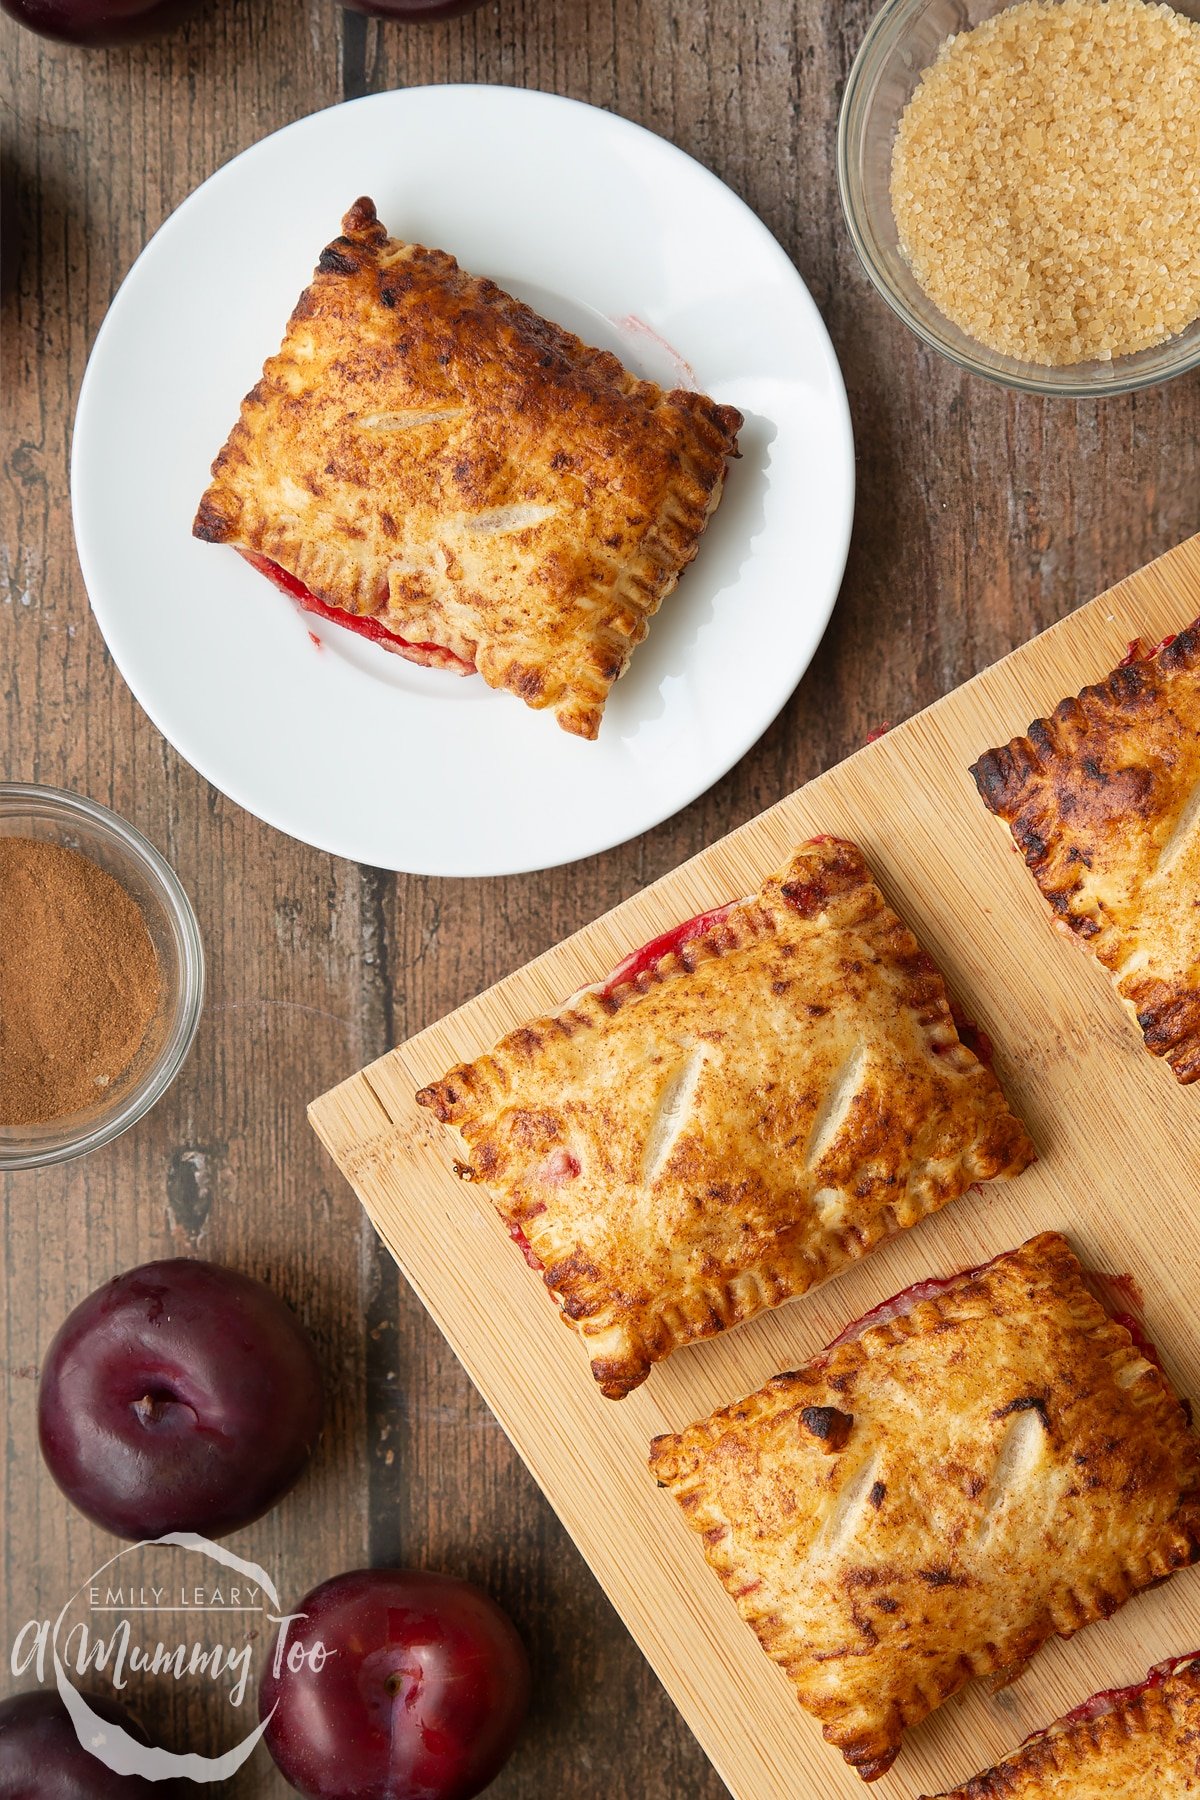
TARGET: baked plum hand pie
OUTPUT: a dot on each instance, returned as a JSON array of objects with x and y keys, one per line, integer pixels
[
  {"x": 1135, "y": 1743},
  {"x": 430, "y": 463},
  {"x": 741, "y": 1109},
  {"x": 980, "y": 1465},
  {"x": 1103, "y": 800}
]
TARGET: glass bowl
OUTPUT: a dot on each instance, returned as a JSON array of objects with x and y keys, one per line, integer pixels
[
  {"x": 60, "y": 818},
  {"x": 903, "y": 40}
]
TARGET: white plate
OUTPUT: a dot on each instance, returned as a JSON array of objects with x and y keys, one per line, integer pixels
[{"x": 611, "y": 232}]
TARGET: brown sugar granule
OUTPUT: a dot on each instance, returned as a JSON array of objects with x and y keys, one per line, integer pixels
[
  {"x": 1046, "y": 179},
  {"x": 79, "y": 981}
]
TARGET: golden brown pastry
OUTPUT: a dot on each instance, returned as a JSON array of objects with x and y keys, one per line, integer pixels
[
  {"x": 991, "y": 1462},
  {"x": 1136, "y": 1743},
  {"x": 1103, "y": 799},
  {"x": 470, "y": 485},
  {"x": 742, "y": 1109}
]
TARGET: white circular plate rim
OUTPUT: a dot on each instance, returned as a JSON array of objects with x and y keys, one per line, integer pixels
[{"x": 383, "y": 841}]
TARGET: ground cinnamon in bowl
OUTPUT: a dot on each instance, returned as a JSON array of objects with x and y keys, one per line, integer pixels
[{"x": 79, "y": 981}]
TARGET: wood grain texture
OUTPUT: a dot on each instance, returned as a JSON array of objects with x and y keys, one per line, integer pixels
[
  {"x": 1073, "y": 1066},
  {"x": 982, "y": 517}
]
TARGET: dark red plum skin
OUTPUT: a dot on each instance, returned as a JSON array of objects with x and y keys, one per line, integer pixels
[
  {"x": 422, "y": 1696},
  {"x": 180, "y": 1397},
  {"x": 95, "y": 23},
  {"x": 413, "y": 12},
  {"x": 42, "y": 1759}
]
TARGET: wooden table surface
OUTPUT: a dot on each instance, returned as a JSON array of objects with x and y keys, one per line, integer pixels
[{"x": 982, "y": 517}]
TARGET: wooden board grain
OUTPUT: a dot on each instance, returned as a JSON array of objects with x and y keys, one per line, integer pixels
[{"x": 1119, "y": 1151}]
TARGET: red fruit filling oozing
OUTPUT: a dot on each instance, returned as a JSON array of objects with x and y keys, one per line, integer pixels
[
  {"x": 633, "y": 965},
  {"x": 525, "y": 1247},
  {"x": 1108, "y": 1699},
  {"x": 1121, "y": 1298},
  {"x": 1137, "y": 651},
  {"x": 433, "y": 656},
  {"x": 1110, "y": 1290},
  {"x": 899, "y": 1305}
]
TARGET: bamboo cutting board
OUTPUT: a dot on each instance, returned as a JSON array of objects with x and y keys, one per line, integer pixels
[{"x": 1118, "y": 1169}]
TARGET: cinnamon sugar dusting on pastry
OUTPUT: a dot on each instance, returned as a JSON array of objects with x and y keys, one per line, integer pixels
[
  {"x": 1036, "y": 1489},
  {"x": 430, "y": 463},
  {"x": 1100, "y": 798},
  {"x": 1046, "y": 179},
  {"x": 747, "y": 1103}
]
